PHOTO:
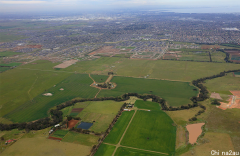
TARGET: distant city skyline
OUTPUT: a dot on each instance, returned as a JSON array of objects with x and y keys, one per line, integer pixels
[{"x": 212, "y": 6}]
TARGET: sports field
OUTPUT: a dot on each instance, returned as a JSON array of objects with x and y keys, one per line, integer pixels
[
  {"x": 151, "y": 130},
  {"x": 175, "y": 93},
  {"x": 76, "y": 85},
  {"x": 105, "y": 150},
  {"x": 102, "y": 112},
  {"x": 83, "y": 139},
  {"x": 119, "y": 128},
  {"x": 140, "y": 104}
]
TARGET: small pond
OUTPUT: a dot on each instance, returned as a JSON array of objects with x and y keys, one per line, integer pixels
[{"x": 85, "y": 125}]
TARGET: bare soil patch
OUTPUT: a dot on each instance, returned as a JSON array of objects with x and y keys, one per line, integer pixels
[
  {"x": 27, "y": 46},
  {"x": 72, "y": 123},
  {"x": 77, "y": 110},
  {"x": 54, "y": 138},
  {"x": 233, "y": 101},
  {"x": 104, "y": 50},
  {"x": 215, "y": 96},
  {"x": 210, "y": 47},
  {"x": 195, "y": 131},
  {"x": 66, "y": 64}
]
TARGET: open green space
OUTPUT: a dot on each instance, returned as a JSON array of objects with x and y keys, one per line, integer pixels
[
  {"x": 99, "y": 78},
  {"x": 118, "y": 129},
  {"x": 2, "y": 69},
  {"x": 79, "y": 138},
  {"x": 134, "y": 152},
  {"x": 126, "y": 47},
  {"x": 218, "y": 56},
  {"x": 105, "y": 150},
  {"x": 10, "y": 64},
  {"x": 140, "y": 104},
  {"x": 76, "y": 85},
  {"x": 17, "y": 86},
  {"x": 101, "y": 113},
  {"x": 222, "y": 85},
  {"x": 175, "y": 93},
  {"x": 8, "y": 53},
  {"x": 151, "y": 130},
  {"x": 59, "y": 133}
]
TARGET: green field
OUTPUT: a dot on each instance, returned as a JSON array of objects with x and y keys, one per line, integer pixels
[
  {"x": 175, "y": 93},
  {"x": 125, "y": 47},
  {"x": 83, "y": 139},
  {"x": 118, "y": 129},
  {"x": 10, "y": 64},
  {"x": 8, "y": 37},
  {"x": 102, "y": 112},
  {"x": 140, "y": 104},
  {"x": 105, "y": 150},
  {"x": 59, "y": 133},
  {"x": 151, "y": 130},
  {"x": 2, "y": 69},
  {"x": 218, "y": 56},
  {"x": 8, "y": 53},
  {"x": 195, "y": 56},
  {"x": 122, "y": 151},
  {"x": 76, "y": 85},
  {"x": 99, "y": 78},
  {"x": 222, "y": 85}
]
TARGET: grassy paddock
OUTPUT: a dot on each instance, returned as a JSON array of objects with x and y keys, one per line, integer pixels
[
  {"x": 59, "y": 133},
  {"x": 78, "y": 138},
  {"x": 175, "y": 93},
  {"x": 117, "y": 131},
  {"x": 140, "y": 104},
  {"x": 105, "y": 150},
  {"x": 133, "y": 152},
  {"x": 151, "y": 130}
]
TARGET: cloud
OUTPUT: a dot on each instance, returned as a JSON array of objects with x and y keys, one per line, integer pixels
[{"x": 22, "y": 2}]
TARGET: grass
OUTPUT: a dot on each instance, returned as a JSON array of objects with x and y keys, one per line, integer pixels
[
  {"x": 175, "y": 93},
  {"x": 152, "y": 130},
  {"x": 105, "y": 150},
  {"x": 140, "y": 104},
  {"x": 43, "y": 146},
  {"x": 6, "y": 37},
  {"x": 2, "y": 69},
  {"x": 222, "y": 85},
  {"x": 133, "y": 152},
  {"x": 76, "y": 85},
  {"x": 10, "y": 64},
  {"x": 83, "y": 139},
  {"x": 59, "y": 133},
  {"x": 99, "y": 78},
  {"x": 211, "y": 141},
  {"x": 8, "y": 53},
  {"x": 17, "y": 86},
  {"x": 118, "y": 129},
  {"x": 102, "y": 112}
]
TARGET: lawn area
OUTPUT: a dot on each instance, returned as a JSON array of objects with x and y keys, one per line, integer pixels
[
  {"x": 17, "y": 86},
  {"x": 105, "y": 150},
  {"x": 175, "y": 93},
  {"x": 133, "y": 152},
  {"x": 151, "y": 130},
  {"x": 222, "y": 85},
  {"x": 59, "y": 133},
  {"x": 118, "y": 129},
  {"x": 99, "y": 78},
  {"x": 83, "y": 139},
  {"x": 140, "y": 104},
  {"x": 102, "y": 112},
  {"x": 76, "y": 85},
  {"x": 39, "y": 146}
]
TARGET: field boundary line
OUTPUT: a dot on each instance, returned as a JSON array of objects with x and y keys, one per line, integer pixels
[{"x": 32, "y": 87}]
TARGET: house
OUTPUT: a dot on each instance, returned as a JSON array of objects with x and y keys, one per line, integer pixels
[
  {"x": 57, "y": 125},
  {"x": 50, "y": 131}
]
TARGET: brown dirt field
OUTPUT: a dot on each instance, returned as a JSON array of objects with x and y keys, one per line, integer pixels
[
  {"x": 235, "y": 98},
  {"x": 194, "y": 132},
  {"x": 72, "y": 123},
  {"x": 210, "y": 46},
  {"x": 215, "y": 96},
  {"x": 169, "y": 56},
  {"x": 54, "y": 138},
  {"x": 235, "y": 92},
  {"x": 105, "y": 49},
  {"x": 66, "y": 64},
  {"x": 77, "y": 110},
  {"x": 27, "y": 46}
]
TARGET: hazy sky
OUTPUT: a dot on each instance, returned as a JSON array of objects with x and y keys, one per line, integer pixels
[{"x": 66, "y": 5}]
